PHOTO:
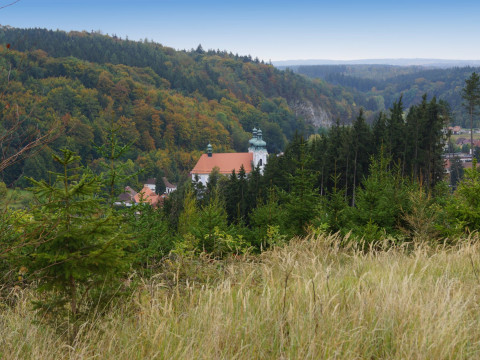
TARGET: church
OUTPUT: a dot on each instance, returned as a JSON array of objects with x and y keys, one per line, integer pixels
[{"x": 226, "y": 162}]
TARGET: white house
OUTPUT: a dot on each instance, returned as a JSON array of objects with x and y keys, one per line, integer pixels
[
  {"x": 169, "y": 187},
  {"x": 150, "y": 183}
]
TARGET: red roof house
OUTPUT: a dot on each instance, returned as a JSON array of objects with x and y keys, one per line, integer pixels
[{"x": 146, "y": 195}]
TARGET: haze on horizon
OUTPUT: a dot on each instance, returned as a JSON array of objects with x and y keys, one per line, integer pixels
[{"x": 272, "y": 30}]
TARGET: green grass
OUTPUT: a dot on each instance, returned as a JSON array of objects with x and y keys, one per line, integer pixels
[
  {"x": 16, "y": 199},
  {"x": 454, "y": 138},
  {"x": 309, "y": 300}
]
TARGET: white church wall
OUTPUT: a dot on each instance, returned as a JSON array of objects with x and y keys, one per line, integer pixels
[{"x": 203, "y": 178}]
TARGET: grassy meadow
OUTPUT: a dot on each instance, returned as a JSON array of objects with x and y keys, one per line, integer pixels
[
  {"x": 16, "y": 199},
  {"x": 312, "y": 299}
]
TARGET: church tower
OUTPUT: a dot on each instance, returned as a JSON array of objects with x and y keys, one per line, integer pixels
[{"x": 258, "y": 147}]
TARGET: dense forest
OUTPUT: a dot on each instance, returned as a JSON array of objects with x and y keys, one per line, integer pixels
[
  {"x": 169, "y": 103},
  {"x": 384, "y": 84},
  {"x": 212, "y": 73}
]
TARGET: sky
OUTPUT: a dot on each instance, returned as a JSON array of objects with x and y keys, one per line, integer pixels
[{"x": 272, "y": 30}]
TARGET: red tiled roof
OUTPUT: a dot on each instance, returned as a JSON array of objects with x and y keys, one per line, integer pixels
[
  {"x": 225, "y": 162},
  {"x": 148, "y": 196}
]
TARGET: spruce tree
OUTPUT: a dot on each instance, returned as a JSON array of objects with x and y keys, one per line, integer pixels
[
  {"x": 396, "y": 133},
  {"x": 471, "y": 95},
  {"x": 380, "y": 201},
  {"x": 464, "y": 209},
  {"x": 362, "y": 149},
  {"x": 231, "y": 195},
  {"x": 302, "y": 200},
  {"x": 456, "y": 171},
  {"x": 114, "y": 177},
  {"x": 78, "y": 254}
]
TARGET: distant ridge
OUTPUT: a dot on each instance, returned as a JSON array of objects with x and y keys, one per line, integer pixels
[{"x": 440, "y": 63}]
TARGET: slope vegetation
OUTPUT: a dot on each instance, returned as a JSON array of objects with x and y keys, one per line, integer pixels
[{"x": 309, "y": 300}]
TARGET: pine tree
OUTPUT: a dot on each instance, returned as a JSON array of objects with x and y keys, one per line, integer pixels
[
  {"x": 471, "y": 95},
  {"x": 456, "y": 171},
  {"x": 362, "y": 148},
  {"x": 232, "y": 196},
  {"x": 425, "y": 139},
  {"x": 80, "y": 247},
  {"x": 212, "y": 220},
  {"x": 256, "y": 190},
  {"x": 268, "y": 219},
  {"x": 112, "y": 150},
  {"x": 302, "y": 201},
  {"x": 336, "y": 207},
  {"x": 396, "y": 133},
  {"x": 379, "y": 130},
  {"x": 381, "y": 199},
  {"x": 464, "y": 210},
  {"x": 242, "y": 205}
]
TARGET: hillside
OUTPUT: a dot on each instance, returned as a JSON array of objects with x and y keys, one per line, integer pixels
[
  {"x": 169, "y": 103},
  {"x": 214, "y": 74},
  {"x": 386, "y": 83}
]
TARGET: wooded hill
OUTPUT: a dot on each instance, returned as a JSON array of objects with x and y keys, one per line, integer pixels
[
  {"x": 170, "y": 103},
  {"x": 384, "y": 84}
]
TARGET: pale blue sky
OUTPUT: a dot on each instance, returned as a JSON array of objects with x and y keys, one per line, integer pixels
[{"x": 273, "y": 30}]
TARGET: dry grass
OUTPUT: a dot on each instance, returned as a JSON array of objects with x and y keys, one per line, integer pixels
[{"x": 309, "y": 300}]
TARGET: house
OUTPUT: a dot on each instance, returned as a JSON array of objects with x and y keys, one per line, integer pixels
[
  {"x": 124, "y": 199},
  {"x": 462, "y": 141},
  {"x": 146, "y": 195},
  {"x": 455, "y": 129},
  {"x": 227, "y": 162},
  {"x": 465, "y": 159},
  {"x": 151, "y": 184},
  {"x": 169, "y": 188},
  {"x": 127, "y": 198}
]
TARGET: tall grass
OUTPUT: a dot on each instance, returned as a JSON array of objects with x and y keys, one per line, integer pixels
[{"x": 309, "y": 300}]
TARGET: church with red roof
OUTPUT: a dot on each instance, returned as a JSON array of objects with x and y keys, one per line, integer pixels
[{"x": 226, "y": 162}]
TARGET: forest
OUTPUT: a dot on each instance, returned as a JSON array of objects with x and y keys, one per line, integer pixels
[
  {"x": 159, "y": 97},
  {"x": 242, "y": 258},
  {"x": 384, "y": 84}
]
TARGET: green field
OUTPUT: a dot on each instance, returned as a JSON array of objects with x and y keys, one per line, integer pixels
[
  {"x": 454, "y": 138},
  {"x": 16, "y": 199}
]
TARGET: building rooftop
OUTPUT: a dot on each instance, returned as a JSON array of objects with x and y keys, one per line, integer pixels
[
  {"x": 148, "y": 196},
  {"x": 225, "y": 162},
  {"x": 168, "y": 184},
  {"x": 125, "y": 197},
  {"x": 130, "y": 191}
]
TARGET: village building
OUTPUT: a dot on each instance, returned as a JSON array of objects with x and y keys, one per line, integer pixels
[
  {"x": 169, "y": 188},
  {"x": 147, "y": 195},
  {"x": 127, "y": 198},
  {"x": 225, "y": 163},
  {"x": 455, "y": 130},
  {"x": 151, "y": 184}
]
